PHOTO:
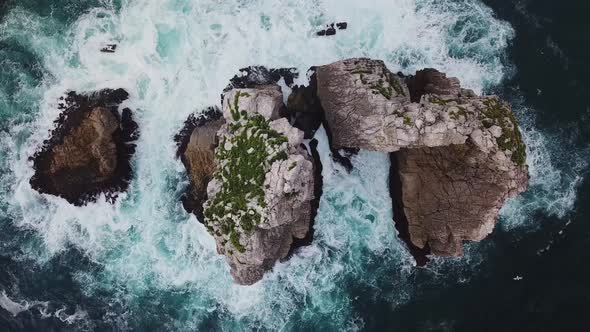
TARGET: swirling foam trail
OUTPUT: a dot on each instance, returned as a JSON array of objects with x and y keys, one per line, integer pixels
[{"x": 175, "y": 57}]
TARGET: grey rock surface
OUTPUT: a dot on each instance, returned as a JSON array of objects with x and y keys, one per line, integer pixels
[
  {"x": 260, "y": 196},
  {"x": 459, "y": 156}
]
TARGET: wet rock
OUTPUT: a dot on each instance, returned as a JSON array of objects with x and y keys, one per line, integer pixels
[
  {"x": 330, "y": 30},
  {"x": 89, "y": 151},
  {"x": 342, "y": 25},
  {"x": 318, "y": 185},
  {"x": 431, "y": 81},
  {"x": 457, "y": 157},
  {"x": 110, "y": 48},
  {"x": 305, "y": 110},
  {"x": 254, "y": 76},
  {"x": 196, "y": 149},
  {"x": 260, "y": 198}
]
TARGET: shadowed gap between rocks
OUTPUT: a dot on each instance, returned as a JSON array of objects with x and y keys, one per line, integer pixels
[
  {"x": 315, "y": 203},
  {"x": 306, "y": 113}
]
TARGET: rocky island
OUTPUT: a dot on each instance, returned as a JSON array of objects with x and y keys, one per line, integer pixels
[
  {"x": 260, "y": 178},
  {"x": 455, "y": 157},
  {"x": 255, "y": 175},
  {"x": 89, "y": 151}
]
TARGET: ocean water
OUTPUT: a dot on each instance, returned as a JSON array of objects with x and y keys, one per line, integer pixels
[{"x": 144, "y": 264}]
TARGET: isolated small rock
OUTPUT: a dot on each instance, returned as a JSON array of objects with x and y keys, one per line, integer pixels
[{"x": 89, "y": 151}]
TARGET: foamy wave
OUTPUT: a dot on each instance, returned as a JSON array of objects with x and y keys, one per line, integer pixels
[
  {"x": 175, "y": 57},
  {"x": 43, "y": 307},
  {"x": 556, "y": 170}
]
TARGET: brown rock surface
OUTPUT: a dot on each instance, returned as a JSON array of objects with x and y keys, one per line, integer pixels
[
  {"x": 456, "y": 156},
  {"x": 431, "y": 81},
  {"x": 197, "y": 144},
  {"x": 452, "y": 194},
  {"x": 88, "y": 153}
]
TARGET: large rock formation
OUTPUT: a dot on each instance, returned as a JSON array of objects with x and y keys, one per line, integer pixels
[
  {"x": 89, "y": 151},
  {"x": 260, "y": 198},
  {"x": 457, "y": 156}
]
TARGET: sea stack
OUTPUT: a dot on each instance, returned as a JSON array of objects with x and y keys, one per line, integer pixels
[
  {"x": 260, "y": 197},
  {"x": 89, "y": 151},
  {"x": 456, "y": 157}
]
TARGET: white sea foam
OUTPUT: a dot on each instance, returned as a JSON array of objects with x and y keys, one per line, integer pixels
[
  {"x": 556, "y": 170},
  {"x": 15, "y": 307},
  {"x": 175, "y": 57}
]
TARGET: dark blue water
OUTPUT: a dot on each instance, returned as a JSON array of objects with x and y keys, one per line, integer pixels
[{"x": 545, "y": 238}]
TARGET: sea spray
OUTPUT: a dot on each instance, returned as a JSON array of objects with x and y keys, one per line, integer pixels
[{"x": 152, "y": 264}]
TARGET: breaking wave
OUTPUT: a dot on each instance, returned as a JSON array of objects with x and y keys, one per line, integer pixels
[{"x": 152, "y": 263}]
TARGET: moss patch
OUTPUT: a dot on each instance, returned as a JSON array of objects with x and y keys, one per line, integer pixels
[
  {"x": 396, "y": 86},
  {"x": 244, "y": 158},
  {"x": 499, "y": 114},
  {"x": 387, "y": 92},
  {"x": 408, "y": 121},
  {"x": 361, "y": 71},
  {"x": 439, "y": 101},
  {"x": 462, "y": 111}
]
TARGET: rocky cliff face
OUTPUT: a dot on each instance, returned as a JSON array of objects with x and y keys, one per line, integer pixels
[
  {"x": 89, "y": 151},
  {"x": 197, "y": 142},
  {"x": 457, "y": 156},
  {"x": 260, "y": 197}
]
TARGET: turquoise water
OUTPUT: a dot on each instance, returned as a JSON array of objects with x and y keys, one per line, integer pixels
[{"x": 144, "y": 263}]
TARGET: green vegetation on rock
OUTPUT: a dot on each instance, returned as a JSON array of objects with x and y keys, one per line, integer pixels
[
  {"x": 387, "y": 92},
  {"x": 499, "y": 114},
  {"x": 244, "y": 157},
  {"x": 408, "y": 121}
]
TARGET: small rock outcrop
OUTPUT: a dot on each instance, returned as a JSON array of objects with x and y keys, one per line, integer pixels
[
  {"x": 330, "y": 30},
  {"x": 260, "y": 198},
  {"x": 254, "y": 76},
  {"x": 89, "y": 152},
  {"x": 431, "y": 81},
  {"x": 196, "y": 149},
  {"x": 458, "y": 156}
]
